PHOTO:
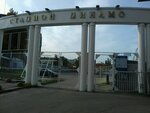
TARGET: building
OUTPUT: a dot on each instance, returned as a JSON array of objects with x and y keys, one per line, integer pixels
[{"x": 14, "y": 48}]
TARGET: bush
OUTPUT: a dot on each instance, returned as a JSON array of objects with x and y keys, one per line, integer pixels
[
  {"x": 50, "y": 81},
  {"x": 44, "y": 82},
  {"x": 23, "y": 85}
]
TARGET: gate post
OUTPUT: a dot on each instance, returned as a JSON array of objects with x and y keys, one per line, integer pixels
[
  {"x": 1, "y": 43},
  {"x": 29, "y": 55},
  {"x": 148, "y": 57},
  {"x": 83, "y": 71},
  {"x": 36, "y": 56},
  {"x": 91, "y": 60},
  {"x": 141, "y": 58}
]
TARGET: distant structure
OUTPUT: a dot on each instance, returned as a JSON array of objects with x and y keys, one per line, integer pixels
[{"x": 2, "y": 15}]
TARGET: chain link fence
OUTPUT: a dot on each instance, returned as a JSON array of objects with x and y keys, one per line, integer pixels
[
  {"x": 62, "y": 67},
  {"x": 12, "y": 66}
]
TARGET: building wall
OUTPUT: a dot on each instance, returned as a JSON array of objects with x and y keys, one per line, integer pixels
[{"x": 15, "y": 40}]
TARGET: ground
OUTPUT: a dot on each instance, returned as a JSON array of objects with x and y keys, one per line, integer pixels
[
  {"x": 63, "y": 97},
  {"x": 51, "y": 100}
]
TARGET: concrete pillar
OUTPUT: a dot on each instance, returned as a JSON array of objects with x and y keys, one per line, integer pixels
[
  {"x": 36, "y": 57},
  {"x": 83, "y": 72},
  {"x": 1, "y": 43},
  {"x": 141, "y": 58},
  {"x": 29, "y": 54},
  {"x": 91, "y": 60},
  {"x": 113, "y": 70},
  {"x": 148, "y": 57}
]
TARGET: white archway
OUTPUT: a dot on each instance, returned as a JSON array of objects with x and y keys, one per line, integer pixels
[{"x": 85, "y": 17}]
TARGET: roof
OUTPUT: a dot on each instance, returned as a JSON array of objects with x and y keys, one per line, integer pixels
[{"x": 1, "y": 15}]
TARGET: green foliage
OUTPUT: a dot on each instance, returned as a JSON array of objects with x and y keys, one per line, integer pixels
[
  {"x": 23, "y": 85},
  {"x": 44, "y": 82},
  {"x": 11, "y": 74},
  {"x": 50, "y": 81},
  {"x": 12, "y": 12},
  {"x": 108, "y": 61}
]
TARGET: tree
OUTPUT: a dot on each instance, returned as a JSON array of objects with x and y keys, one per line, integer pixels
[
  {"x": 56, "y": 60},
  {"x": 108, "y": 61},
  {"x": 77, "y": 62},
  {"x": 12, "y": 12}
]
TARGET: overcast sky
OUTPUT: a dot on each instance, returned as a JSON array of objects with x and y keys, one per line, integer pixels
[{"x": 109, "y": 38}]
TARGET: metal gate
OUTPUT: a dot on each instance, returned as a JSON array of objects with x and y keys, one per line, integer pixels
[
  {"x": 103, "y": 72},
  {"x": 109, "y": 78},
  {"x": 60, "y": 70}
]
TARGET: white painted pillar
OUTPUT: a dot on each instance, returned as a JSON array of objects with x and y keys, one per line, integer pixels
[
  {"x": 29, "y": 55},
  {"x": 36, "y": 57},
  {"x": 1, "y": 42},
  {"x": 83, "y": 72},
  {"x": 141, "y": 58},
  {"x": 91, "y": 60},
  {"x": 148, "y": 57},
  {"x": 113, "y": 70}
]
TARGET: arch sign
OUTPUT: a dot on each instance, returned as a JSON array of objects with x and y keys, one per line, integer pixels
[
  {"x": 88, "y": 18},
  {"x": 78, "y": 16}
]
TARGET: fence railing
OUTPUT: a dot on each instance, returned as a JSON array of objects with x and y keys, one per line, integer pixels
[
  {"x": 12, "y": 65},
  {"x": 125, "y": 81}
]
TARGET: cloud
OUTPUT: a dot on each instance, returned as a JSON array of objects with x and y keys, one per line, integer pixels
[
  {"x": 116, "y": 38},
  {"x": 28, "y": 3},
  {"x": 109, "y": 38},
  {"x": 91, "y": 3},
  {"x": 4, "y": 8},
  {"x": 62, "y": 38}
]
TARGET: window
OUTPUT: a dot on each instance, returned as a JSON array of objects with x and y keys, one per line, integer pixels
[
  {"x": 5, "y": 41},
  {"x": 14, "y": 41},
  {"x": 23, "y": 40}
]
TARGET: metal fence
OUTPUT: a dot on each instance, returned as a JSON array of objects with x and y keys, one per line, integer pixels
[
  {"x": 120, "y": 82},
  {"x": 125, "y": 81},
  {"x": 12, "y": 65},
  {"x": 65, "y": 65},
  {"x": 103, "y": 72}
]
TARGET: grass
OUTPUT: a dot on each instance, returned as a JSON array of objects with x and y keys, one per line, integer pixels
[
  {"x": 23, "y": 85},
  {"x": 10, "y": 73}
]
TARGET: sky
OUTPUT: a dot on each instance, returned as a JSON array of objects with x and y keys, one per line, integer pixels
[{"x": 109, "y": 38}]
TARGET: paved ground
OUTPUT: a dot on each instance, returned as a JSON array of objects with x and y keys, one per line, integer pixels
[
  {"x": 71, "y": 81},
  {"x": 51, "y": 100},
  {"x": 48, "y": 100}
]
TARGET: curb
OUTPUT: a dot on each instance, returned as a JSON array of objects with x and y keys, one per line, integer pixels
[{"x": 10, "y": 90}]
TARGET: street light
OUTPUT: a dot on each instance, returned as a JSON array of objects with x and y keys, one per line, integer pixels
[
  {"x": 118, "y": 6},
  {"x": 47, "y": 9},
  {"x": 97, "y": 6},
  {"x": 77, "y": 7},
  {"x": 28, "y": 12}
]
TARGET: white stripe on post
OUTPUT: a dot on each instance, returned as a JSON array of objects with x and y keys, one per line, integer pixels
[
  {"x": 29, "y": 55},
  {"x": 91, "y": 60},
  {"x": 141, "y": 58},
  {"x": 1, "y": 42},
  {"x": 148, "y": 57},
  {"x": 83, "y": 71},
  {"x": 36, "y": 57}
]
